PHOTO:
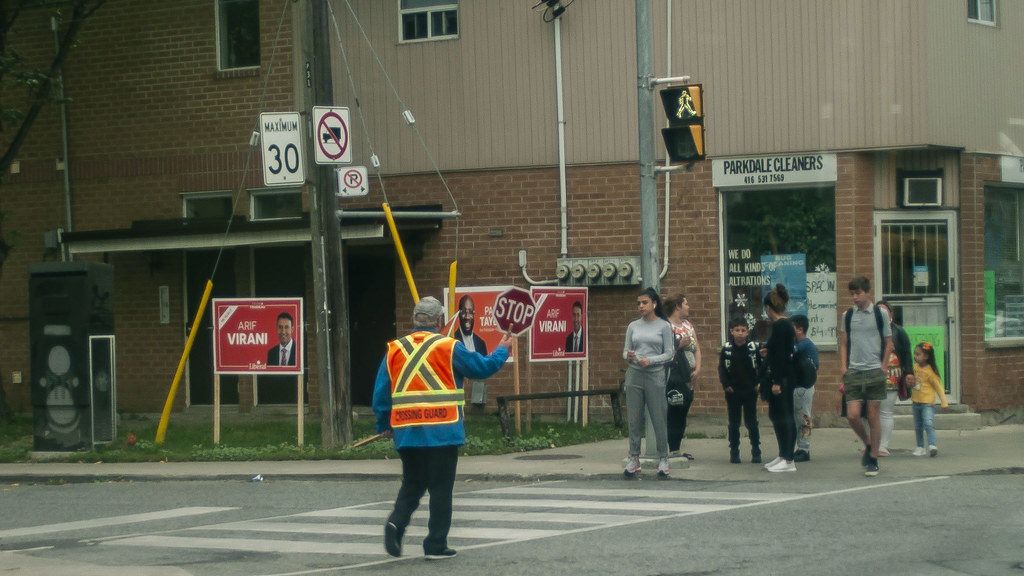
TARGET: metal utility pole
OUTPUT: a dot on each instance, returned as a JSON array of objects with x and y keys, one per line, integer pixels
[
  {"x": 650, "y": 269},
  {"x": 331, "y": 305}
]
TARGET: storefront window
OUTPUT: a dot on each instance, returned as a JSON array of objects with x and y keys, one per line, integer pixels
[
  {"x": 785, "y": 236},
  {"x": 1004, "y": 271}
]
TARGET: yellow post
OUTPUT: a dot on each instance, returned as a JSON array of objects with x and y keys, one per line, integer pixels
[
  {"x": 451, "y": 287},
  {"x": 401, "y": 252},
  {"x": 161, "y": 430}
]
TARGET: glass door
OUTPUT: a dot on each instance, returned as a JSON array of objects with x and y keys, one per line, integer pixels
[{"x": 916, "y": 271}]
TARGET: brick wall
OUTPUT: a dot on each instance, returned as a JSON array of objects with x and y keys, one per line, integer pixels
[
  {"x": 603, "y": 203},
  {"x": 992, "y": 377},
  {"x": 150, "y": 118}
]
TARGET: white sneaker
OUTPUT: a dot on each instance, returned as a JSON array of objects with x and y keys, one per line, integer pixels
[
  {"x": 663, "y": 468},
  {"x": 774, "y": 462},
  {"x": 783, "y": 466},
  {"x": 933, "y": 451},
  {"x": 632, "y": 467},
  {"x": 919, "y": 451}
]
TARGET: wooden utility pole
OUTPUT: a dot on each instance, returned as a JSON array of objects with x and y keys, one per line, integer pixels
[{"x": 331, "y": 309}]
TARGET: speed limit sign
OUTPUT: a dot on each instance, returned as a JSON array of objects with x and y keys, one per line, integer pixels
[{"x": 281, "y": 143}]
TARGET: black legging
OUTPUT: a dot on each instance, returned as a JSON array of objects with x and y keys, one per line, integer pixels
[
  {"x": 780, "y": 412},
  {"x": 677, "y": 420}
]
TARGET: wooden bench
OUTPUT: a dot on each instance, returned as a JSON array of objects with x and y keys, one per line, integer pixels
[{"x": 506, "y": 420}]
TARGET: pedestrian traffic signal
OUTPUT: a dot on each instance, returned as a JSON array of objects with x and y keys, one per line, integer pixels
[{"x": 684, "y": 136}]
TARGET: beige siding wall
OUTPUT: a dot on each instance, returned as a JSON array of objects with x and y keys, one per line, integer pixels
[
  {"x": 487, "y": 99},
  {"x": 976, "y": 79},
  {"x": 786, "y": 75},
  {"x": 889, "y": 163},
  {"x": 779, "y": 75}
]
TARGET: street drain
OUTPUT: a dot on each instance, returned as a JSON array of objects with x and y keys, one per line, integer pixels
[{"x": 549, "y": 457}]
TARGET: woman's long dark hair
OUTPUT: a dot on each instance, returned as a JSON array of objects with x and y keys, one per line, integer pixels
[
  {"x": 888, "y": 308},
  {"x": 929, "y": 352},
  {"x": 653, "y": 295}
]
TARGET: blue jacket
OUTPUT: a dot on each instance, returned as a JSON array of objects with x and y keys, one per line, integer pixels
[{"x": 464, "y": 364}]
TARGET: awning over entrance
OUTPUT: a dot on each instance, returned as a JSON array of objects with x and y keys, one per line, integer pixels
[{"x": 203, "y": 233}]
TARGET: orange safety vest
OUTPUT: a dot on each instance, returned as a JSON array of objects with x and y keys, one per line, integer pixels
[{"x": 423, "y": 390}]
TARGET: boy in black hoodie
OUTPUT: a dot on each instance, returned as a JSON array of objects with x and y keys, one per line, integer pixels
[{"x": 737, "y": 370}]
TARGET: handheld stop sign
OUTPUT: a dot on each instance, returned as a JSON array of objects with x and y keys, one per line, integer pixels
[{"x": 514, "y": 310}]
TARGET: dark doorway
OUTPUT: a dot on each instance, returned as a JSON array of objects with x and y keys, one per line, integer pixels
[
  {"x": 280, "y": 271},
  {"x": 198, "y": 266},
  {"x": 371, "y": 302}
]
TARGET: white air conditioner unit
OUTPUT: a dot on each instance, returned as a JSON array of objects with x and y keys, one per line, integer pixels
[{"x": 919, "y": 191}]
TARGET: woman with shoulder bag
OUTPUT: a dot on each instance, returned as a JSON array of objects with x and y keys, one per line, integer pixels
[{"x": 683, "y": 371}]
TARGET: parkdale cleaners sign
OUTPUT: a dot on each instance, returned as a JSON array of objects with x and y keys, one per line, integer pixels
[{"x": 774, "y": 170}]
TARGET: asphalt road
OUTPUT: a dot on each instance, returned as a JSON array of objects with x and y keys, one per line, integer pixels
[{"x": 969, "y": 524}]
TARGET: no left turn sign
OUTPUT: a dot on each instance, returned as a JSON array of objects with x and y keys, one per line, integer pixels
[{"x": 333, "y": 137}]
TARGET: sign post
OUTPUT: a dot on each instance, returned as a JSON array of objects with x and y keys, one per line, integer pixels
[{"x": 514, "y": 310}]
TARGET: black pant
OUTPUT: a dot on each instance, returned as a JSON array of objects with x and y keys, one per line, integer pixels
[
  {"x": 427, "y": 470},
  {"x": 743, "y": 404},
  {"x": 780, "y": 412},
  {"x": 677, "y": 420}
]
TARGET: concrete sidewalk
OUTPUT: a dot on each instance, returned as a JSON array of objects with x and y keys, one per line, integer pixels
[{"x": 834, "y": 453}]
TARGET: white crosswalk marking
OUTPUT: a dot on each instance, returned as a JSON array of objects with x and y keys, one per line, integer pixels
[
  {"x": 375, "y": 530},
  {"x": 111, "y": 521},
  {"x": 482, "y": 518}
]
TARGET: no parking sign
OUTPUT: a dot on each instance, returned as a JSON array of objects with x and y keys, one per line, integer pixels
[{"x": 352, "y": 181}]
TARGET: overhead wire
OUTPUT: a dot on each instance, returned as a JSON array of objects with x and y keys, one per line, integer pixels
[
  {"x": 253, "y": 142},
  {"x": 355, "y": 96},
  {"x": 404, "y": 107}
]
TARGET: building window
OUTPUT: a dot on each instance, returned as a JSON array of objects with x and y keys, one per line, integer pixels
[
  {"x": 781, "y": 236},
  {"x": 216, "y": 205},
  {"x": 276, "y": 205},
  {"x": 428, "y": 19},
  {"x": 1004, "y": 269},
  {"x": 238, "y": 34},
  {"x": 983, "y": 11}
]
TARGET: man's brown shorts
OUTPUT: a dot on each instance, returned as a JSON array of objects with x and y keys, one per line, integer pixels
[{"x": 864, "y": 385}]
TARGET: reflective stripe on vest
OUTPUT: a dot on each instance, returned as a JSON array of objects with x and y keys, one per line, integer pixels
[{"x": 423, "y": 390}]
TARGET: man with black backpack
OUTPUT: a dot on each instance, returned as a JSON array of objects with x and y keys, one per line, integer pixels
[{"x": 865, "y": 343}]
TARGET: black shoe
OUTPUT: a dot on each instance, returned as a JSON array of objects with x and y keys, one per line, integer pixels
[
  {"x": 872, "y": 468},
  {"x": 755, "y": 458},
  {"x": 392, "y": 539},
  {"x": 865, "y": 458},
  {"x": 441, "y": 555},
  {"x": 734, "y": 458},
  {"x": 801, "y": 456}
]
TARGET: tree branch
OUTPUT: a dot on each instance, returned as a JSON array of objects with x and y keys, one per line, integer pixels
[{"x": 82, "y": 10}]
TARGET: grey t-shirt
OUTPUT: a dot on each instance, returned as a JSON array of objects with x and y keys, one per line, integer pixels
[
  {"x": 865, "y": 342},
  {"x": 652, "y": 340}
]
